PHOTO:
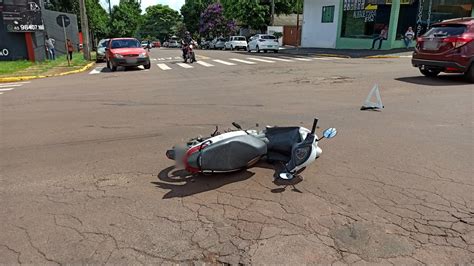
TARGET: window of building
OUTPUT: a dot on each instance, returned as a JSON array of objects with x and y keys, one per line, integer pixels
[
  {"x": 364, "y": 18},
  {"x": 328, "y": 14},
  {"x": 420, "y": 14}
]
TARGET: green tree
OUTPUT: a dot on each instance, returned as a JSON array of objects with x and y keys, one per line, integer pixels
[
  {"x": 159, "y": 21},
  {"x": 126, "y": 19},
  {"x": 257, "y": 13},
  {"x": 191, "y": 12}
]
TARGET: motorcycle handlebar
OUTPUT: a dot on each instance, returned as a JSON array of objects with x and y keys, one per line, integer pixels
[
  {"x": 236, "y": 125},
  {"x": 315, "y": 123}
]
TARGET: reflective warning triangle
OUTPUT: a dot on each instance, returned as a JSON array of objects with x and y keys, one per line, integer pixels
[{"x": 368, "y": 104}]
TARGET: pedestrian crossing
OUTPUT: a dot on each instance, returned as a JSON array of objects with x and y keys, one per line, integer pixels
[
  {"x": 8, "y": 87},
  {"x": 173, "y": 63}
]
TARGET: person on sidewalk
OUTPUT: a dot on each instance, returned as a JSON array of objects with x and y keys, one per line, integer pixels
[
  {"x": 50, "y": 45},
  {"x": 382, "y": 36},
  {"x": 408, "y": 37},
  {"x": 70, "y": 49}
]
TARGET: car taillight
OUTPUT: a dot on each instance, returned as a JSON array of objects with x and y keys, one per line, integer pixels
[
  {"x": 458, "y": 41},
  {"x": 419, "y": 39}
]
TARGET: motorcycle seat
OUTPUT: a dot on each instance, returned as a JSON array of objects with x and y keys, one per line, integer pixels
[{"x": 232, "y": 154}]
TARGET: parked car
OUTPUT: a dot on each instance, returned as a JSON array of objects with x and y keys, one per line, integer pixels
[
  {"x": 205, "y": 44},
  {"x": 263, "y": 42},
  {"x": 218, "y": 43},
  {"x": 157, "y": 44},
  {"x": 174, "y": 44},
  {"x": 126, "y": 52},
  {"x": 145, "y": 44},
  {"x": 236, "y": 42},
  {"x": 100, "y": 57},
  {"x": 166, "y": 44},
  {"x": 447, "y": 47}
]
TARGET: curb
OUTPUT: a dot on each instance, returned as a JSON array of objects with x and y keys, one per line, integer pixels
[
  {"x": 333, "y": 55},
  {"x": 23, "y": 78},
  {"x": 384, "y": 56}
]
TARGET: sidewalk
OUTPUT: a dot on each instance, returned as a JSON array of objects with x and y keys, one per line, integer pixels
[
  {"x": 348, "y": 53},
  {"x": 27, "y": 70}
]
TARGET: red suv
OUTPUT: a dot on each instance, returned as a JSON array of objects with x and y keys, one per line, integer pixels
[
  {"x": 126, "y": 52},
  {"x": 447, "y": 47}
]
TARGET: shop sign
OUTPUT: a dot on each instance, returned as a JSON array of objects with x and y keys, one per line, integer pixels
[
  {"x": 4, "y": 52},
  {"x": 22, "y": 16},
  {"x": 362, "y": 9}
]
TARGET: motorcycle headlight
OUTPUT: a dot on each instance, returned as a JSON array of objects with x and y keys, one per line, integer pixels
[
  {"x": 143, "y": 55},
  {"x": 118, "y": 56},
  {"x": 302, "y": 154}
]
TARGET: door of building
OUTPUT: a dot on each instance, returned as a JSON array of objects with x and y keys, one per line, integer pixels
[
  {"x": 320, "y": 23},
  {"x": 290, "y": 35}
]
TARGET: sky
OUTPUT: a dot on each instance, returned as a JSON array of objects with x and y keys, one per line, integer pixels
[{"x": 174, "y": 4}]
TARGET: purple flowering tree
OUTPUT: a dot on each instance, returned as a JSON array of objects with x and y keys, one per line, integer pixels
[{"x": 213, "y": 23}]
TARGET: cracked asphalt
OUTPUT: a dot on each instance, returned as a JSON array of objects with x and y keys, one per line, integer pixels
[{"x": 85, "y": 180}]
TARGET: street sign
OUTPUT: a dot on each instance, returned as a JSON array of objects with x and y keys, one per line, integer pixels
[{"x": 59, "y": 20}]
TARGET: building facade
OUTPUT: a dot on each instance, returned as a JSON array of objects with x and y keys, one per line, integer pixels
[{"x": 353, "y": 24}]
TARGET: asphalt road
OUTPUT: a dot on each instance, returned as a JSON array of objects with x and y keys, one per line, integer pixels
[{"x": 85, "y": 178}]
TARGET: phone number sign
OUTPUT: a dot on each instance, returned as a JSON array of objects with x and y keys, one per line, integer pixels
[{"x": 22, "y": 15}]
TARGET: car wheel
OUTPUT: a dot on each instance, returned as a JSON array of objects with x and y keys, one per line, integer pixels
[
  {"x": 147, "y": 66},
  {"x": 232, "y": 48},
  {"x": 470, "y": 74},
  {"x": 429, "y": 72},
  {"x": 275, "y": 51},
  {"x": 265, "y": 51},
  {"x": 258, "y": 49}
]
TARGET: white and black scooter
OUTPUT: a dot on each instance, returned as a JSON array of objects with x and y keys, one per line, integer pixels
[{"x": 295, "y": 147}]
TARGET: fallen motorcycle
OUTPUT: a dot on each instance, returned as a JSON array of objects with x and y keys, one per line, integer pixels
[{"x": 294, "y": 147}]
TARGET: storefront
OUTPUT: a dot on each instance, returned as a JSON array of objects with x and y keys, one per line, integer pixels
[{"x": 357, "y": 22}]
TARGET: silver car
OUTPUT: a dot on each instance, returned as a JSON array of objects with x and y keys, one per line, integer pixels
[{"x": 101, "y": 50}]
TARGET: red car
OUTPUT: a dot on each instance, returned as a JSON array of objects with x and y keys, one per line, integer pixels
[
  {"x": 447, "y": 47},
  {"x": 126, "y": 52},
  {"x": 157, "y": 44}
]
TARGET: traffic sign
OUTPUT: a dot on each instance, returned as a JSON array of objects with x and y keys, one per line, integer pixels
[{"x": 59, "y": 20}]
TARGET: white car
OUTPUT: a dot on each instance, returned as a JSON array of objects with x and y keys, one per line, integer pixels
[
  {"x": 236, "y": 42},
  {"x": 263, "y": 42}
]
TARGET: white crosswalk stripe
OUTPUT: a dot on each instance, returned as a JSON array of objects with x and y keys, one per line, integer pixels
[
  {"x": 4, "y": 87},
  {"x": 302, "y": 59},
  {"x": 96, "y": 70},
  {"x": 242, "y": 61},
  {"x": 223, "y": 62},
  {"x": 278, "y": 59},
  {"x": 163, "y": 66},
  {"x": 322, "y": 58},
  {"x": 260, "y": 60},
  {"x": 202, "y": 63},
  {"x": 183, "y": 65}
]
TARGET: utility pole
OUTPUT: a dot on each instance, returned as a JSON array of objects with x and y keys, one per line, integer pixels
[
  {"x": 273, "y": 12},
  {"x": 85, "y": 30}
]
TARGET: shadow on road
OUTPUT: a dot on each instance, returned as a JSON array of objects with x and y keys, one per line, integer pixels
[
  {"x": 183, "y": 184},
  {"x": 442, "y": 80}
]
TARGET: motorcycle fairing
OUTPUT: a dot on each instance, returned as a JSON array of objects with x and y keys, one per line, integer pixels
[
  {"x": 300, "y": 153},
  {"x": 224, "y": 153},
  {"x": 282, "y": 139}
]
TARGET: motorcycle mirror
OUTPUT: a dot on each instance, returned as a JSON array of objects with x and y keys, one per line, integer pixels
[{"x": 330, "y": 133}]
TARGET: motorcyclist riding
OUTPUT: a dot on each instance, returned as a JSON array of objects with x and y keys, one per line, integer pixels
[{"x": 187, "y": 40}]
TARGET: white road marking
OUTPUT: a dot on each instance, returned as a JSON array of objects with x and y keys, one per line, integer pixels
[
  {"x": 406, "y": 56},
  {"x": 260, "y": 60},
  {"x": 163, "y": 67},
  {"x": 7, "y": 89},
  {"x": 96, "y": 70},
  {"x": 177, "y": 57},
  {"x": 10, "y": 85},
  {"x": 243, "y": 61},
  {"x": 1, "y": 93},
  {"x": 183, "y": 65},
  {"x": 202, "y": 63},
  {"x": 16, "y": 83},
  {"x": 302, "y": 59},
  {"x": 223, "y": 62},
  {"x": 278, "y": 59},
  {"x": 322, "y": 58}
]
